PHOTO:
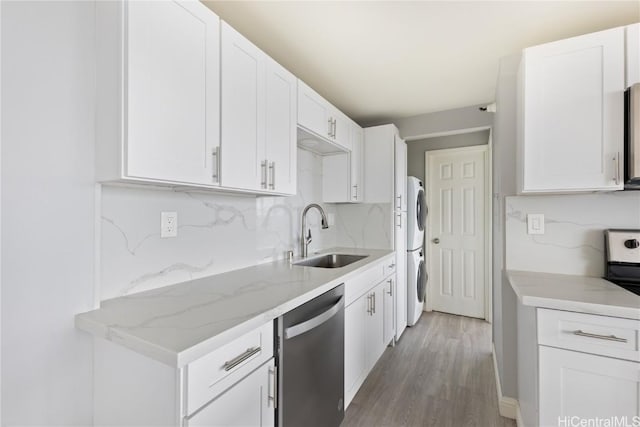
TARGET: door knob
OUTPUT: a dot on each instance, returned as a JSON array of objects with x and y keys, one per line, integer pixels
[{"x": 436, "y": 240}]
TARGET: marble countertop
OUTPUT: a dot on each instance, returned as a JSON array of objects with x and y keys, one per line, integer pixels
[
  {"x": 583, "y": 294},
  {"x": 177, "y": 324}
]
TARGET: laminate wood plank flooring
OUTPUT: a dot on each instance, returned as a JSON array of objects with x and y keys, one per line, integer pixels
[{"x": 439, "y": 374}]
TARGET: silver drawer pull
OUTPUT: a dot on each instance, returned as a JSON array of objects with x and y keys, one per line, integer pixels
[
  {"x": 600, "y": 337},
  {"x": 241, "y": 358}
]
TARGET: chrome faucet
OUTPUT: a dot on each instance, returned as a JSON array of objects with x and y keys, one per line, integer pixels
[{"x": 304, "y": 241}]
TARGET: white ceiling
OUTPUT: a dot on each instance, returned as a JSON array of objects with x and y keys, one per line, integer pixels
[{"x": 380, "y": 60}]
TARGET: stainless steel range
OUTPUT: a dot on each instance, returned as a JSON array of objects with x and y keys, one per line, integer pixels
[{"x": 623, "y": 258}]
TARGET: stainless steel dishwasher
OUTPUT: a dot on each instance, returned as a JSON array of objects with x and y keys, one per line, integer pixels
[{"x": 311, "y": 363}]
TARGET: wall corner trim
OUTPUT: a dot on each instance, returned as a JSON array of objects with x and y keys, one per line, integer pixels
[{"x": 508, "y": 406}]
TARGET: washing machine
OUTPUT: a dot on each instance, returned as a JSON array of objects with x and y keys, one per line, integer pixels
[
  {"x": 416, "y": 285},
  {"x": 416, "y": 213}
]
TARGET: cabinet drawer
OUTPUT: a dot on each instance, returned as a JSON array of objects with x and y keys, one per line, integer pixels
[
  {"x": 363, "y": 282},
  {"x": 229, "y": 363},
  {"x": 589, "y": 333},
  {"x": 389, "y": 266}
]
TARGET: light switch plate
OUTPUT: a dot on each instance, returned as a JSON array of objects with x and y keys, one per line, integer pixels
[
  {"x": 535, "y": 223},
  {"x": 168, "y": 224}
]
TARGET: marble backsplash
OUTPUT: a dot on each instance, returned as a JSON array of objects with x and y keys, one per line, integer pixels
[
  {"x": 364, "y": 225},
  {"x": 216, "y": 232},
  {"x": 573, "y": 242}
]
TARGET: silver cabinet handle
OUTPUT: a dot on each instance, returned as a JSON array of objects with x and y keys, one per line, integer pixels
[
  {"x": 334, "y": 129},
  {"x": 390, "y": 281},
  {"x": 616, "y": 168},
  {"x": 369, "y": 304},
  {"x": 374, "y": 303},
  {"x": 215, "y": 164},
  {"x": 399, "y": 202},
  {"x": 330, "y": 127},
  {"x": 598, "y": 336},
  {"x": 306, "y": 326},
  {"x": 272, "y": 173},
  {"x": 393, "y": 265},
  {"x": 229, "y": 365},
  {"x": 263, "y": 173},
  {"x": 399, "y": 225},
  {"x": 273, "y": 397},
  {"x": 355, "y": 196},
  {"x": 436, "y": 240}
]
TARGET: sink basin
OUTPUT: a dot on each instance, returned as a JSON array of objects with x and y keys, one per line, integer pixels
[{"x": 330, "y": 260}]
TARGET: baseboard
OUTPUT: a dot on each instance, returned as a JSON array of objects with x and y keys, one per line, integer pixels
[{"x": 508, "y": 406}]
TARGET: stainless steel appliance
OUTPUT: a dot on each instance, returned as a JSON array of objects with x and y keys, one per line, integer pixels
[
  {"x": 632, "y": 137},
  {"x": 311, "y": 363},
  {"x": 623, "y": 258}
]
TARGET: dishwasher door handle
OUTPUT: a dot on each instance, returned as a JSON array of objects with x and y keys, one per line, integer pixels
[{"x": 306, "y": 326}]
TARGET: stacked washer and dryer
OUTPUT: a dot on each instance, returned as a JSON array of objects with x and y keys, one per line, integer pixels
[{"x": 416, "y": 267}]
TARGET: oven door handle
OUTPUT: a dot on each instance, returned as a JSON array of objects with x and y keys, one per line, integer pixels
[{"x": 306, "y": 326}]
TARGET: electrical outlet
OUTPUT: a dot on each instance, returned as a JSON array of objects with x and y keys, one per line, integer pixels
[
  {"x": 168, "y": 224},
  {"x": 331, "y": 219},
  {"x": 535, "y": 223}
]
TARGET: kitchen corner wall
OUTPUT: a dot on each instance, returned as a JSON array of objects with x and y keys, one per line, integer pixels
[
  {"x": 216, "y": 232},
  {"x": 573, "y": 242}
]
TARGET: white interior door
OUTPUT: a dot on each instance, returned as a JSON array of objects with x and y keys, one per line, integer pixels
[{"x": 456, "y": 190}]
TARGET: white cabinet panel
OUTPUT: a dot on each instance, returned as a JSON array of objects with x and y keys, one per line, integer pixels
[
  {"x": 401, "y": 272},
  {"x": 633, "y": 54},
  {"x": 375, "y": 344},
  {"x": 572, "y": 114},
  {"x": 243, "y": 119},
  {"x": 157, "y": 121},
  {"x": 574, "y": 384},
  {"x": 355, "y": 353},
  {"x": 280, "y": 133},
  {"x": 357, "y": 165},
  {"x": 258, "y": 119},
  {"x": 400, "y": 174},
  {"x": 313, "y": 111},
  {"x": 342, "y": 174},
  {"x": 247, "y": 403},
  {"x": 389, "y": 291}
]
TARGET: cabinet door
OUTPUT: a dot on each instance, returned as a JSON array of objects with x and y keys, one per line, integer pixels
[
  {"x": 172, "y": 91},
  {"x": 336, "y": 171},
  {"x": 401, "y": 272},
  {"x": 574, "y": 384},
  {"x": 280, "y": 134},
  {"x": 572, "y": 120},
  {"x": 400, "y": 174},
  {"x": 313, "y": 111},
  {"x": 375, "y": 326},
  {"x": 389, "y": 309},
  {"x": 247, "y": 403},
  {"x": 341, "y": 134},
  {"x": 355, "y": 359},
  {"x": 243, "y": 119},
  {"x": 357, "y": 169}
]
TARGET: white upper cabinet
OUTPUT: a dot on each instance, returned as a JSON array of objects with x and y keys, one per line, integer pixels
[
  {"x": 633, "y": 54},
  {"x": 258, "y": 126},
  {"x": 400, "y": 174},
  {"x": 342, "y": 174},
  {"x": 571, "y": 111},
  {"x": 571, "y": 114},
  {"x": 156, "y": 121},
  {"x": 321, "y": 119}
]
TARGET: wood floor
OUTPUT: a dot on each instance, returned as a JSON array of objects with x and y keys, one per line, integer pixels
[{"x": 439, "y": 374}]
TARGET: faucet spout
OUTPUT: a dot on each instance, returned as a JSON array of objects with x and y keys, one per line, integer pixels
[{"x": 304, "y": 241}]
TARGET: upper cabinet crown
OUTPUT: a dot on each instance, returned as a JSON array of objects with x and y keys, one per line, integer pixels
[
  {"x": 158, "y": 88},
  {"x": 571, "y": 114},
  {"x": 258, "y": 118}
]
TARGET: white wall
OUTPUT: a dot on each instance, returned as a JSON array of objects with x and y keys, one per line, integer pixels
[
  {"x": 573, "y": 242},
  {"x": 47, "y": 211}
]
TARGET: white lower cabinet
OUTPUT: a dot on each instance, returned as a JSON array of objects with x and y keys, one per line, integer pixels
[
  {"x": 574, "y": 384},
  {"x": 368, "y": 330},
  {"x": 247, "y": 403}
]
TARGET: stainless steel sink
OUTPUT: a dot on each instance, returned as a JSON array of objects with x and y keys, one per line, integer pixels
[{"x": 330, "y": 260}]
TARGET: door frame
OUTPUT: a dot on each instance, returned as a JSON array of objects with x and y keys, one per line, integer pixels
[{"x": 488, "y": 212}]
